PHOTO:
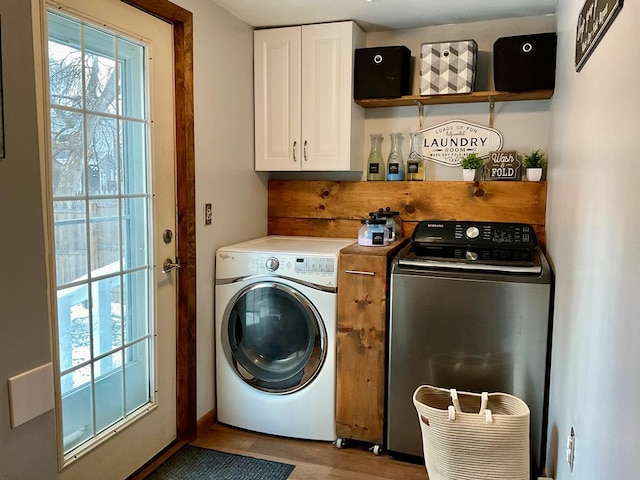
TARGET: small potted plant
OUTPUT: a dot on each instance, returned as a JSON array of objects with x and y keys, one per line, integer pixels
[
  {"x": 534, "y": 163},
  {"x": 470, "y": 165}
]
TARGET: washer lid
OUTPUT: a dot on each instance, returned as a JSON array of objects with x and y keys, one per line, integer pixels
[{"x": 472, "y": 245}]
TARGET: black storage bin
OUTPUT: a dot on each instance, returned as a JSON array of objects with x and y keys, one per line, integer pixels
[
  {"x": 382, "y": 72},
  {"x": 525, "y": 62}
]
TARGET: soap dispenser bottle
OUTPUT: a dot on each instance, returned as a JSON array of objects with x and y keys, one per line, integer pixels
[
  {"x": 375, "y": 162},
  {"x": 395, "y": 162},
  {"x": 415, "y": 161}
]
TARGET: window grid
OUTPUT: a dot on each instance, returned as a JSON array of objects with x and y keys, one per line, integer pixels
[{"x": 121, "y": 275}]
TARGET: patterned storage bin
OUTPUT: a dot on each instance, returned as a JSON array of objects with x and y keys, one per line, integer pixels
[{"x": 448, "y": 67}]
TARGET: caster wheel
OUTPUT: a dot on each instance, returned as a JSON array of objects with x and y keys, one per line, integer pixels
[
  {"x": 377, "y": 450},
  {"x": 341, "y": 442}
]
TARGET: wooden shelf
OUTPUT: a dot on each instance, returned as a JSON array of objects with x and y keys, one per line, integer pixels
[{"x": 473, "y": 97}]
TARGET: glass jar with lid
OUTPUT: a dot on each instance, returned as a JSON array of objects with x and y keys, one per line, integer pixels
[
  {"x": 393, "y": 221},
  {"x": 390, "y": 224},
  {"x": 373, "y": 232}
]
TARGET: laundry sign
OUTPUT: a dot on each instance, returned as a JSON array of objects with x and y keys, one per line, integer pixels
[
  {"x": 595, "y": 18},
  {"x": 503, "y": 165},
  {"x": 448, "y": 142}
]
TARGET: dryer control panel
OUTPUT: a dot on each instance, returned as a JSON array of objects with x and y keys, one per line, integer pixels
[
  {"x": 299, "y": 265},
  {"x": 315, "y": 269},
  {"x": 315, "y": 265}
]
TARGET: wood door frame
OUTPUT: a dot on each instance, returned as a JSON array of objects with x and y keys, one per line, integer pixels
[{"x": 182, "y": 21}]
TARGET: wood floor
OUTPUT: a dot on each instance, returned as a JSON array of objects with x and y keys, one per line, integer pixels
[{"x": 313, "y": 460}]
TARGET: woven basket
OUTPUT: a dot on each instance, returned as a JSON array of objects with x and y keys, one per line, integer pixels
[{"x": 471, "y": 436}]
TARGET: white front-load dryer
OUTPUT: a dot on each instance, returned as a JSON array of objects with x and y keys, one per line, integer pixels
[{"x": 275, "y": 317}]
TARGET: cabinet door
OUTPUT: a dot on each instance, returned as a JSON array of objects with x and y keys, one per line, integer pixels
[
  {"x": 327, "y": 96},
  {"x": 277, "y": 99},
  {"x": 360, "y": 361}
]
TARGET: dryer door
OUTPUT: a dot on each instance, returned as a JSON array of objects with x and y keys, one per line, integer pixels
[{"x": 274, "y": 337}]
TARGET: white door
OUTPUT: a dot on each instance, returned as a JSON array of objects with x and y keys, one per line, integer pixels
[
  {"x": 277, "y": 99},
  {"x": 113, "y": 196}
]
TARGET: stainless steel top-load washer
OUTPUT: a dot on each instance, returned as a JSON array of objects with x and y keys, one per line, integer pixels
[{"x": 471, "y": 310}]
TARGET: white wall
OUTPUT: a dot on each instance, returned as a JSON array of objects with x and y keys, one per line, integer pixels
[
  {"x": 593, "y": 219},
  {"x": 524, "y": 125},
  {"x": 28, "y": 451},
  {"x": 223, "y": 82}
]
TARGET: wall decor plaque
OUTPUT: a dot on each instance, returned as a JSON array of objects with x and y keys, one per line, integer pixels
[
  {"x": 446, "y": 143},
  {"x": 503, "y": 165},
  {"x": 594, "y": 20}
]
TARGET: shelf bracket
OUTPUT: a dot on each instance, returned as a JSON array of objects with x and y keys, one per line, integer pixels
[
  {"x": 492, "y": 111},
  {"x": 420, "y": 114}
]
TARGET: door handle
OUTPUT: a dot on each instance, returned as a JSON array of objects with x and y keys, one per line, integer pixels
[{"x": 169, "y": 265}]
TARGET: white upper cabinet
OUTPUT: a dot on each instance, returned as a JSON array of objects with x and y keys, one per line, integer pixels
[{"x": 305, "y": 116}]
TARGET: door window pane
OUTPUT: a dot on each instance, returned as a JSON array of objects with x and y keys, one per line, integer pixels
[
  {"x": 67, "y": 153},
  {"x": 102, "y": 155},
  {"x": 135, "y": 305},
  {"x": 104, "y": 236},
  {"x": 65, "y": 62},
  {"x": 109, "y": 392},
  {"x": 70, "y": 227},
  {"x": 133, "y": 155},
  {"x": 73, "y": 327},
  {"x": 100, "y": 71},
  {"x": 131, "y": 96},
  {"x": 77, "y": 407},
  {"x": 105, "y": 309},
  {"x": 137, "y": 381}
]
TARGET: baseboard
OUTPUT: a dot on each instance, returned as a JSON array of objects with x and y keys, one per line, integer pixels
[{"x": 208, "y": 419}]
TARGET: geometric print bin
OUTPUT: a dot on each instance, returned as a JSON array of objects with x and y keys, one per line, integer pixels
[{"x": 448, "y": 67}]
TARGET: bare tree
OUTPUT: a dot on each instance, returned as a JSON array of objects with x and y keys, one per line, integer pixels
[{"x": 69, "y": 130}]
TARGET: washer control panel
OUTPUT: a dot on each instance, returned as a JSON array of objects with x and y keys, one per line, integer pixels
[{"x": 486, "y": 234}]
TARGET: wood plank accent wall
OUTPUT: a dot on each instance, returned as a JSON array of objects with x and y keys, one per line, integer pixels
[{"x": 334, "y": 209}]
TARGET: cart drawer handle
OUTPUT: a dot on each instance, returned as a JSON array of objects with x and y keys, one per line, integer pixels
[{"x": 358, "y": 272}]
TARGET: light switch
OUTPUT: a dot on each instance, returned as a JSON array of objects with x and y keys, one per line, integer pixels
[{"x": 31, "y": 394}]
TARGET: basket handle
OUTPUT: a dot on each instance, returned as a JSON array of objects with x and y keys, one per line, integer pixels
[
  {"x": 488, "y": 417},
  {"x": 452, "y": 413},
  {"x": 454, "y": 399},
  {"x": 484, "y": 401}
]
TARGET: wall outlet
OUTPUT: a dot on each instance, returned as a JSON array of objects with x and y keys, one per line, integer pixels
[
  {"x": 571, "y": 449},
  {"x": 208, "y": 213}
]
